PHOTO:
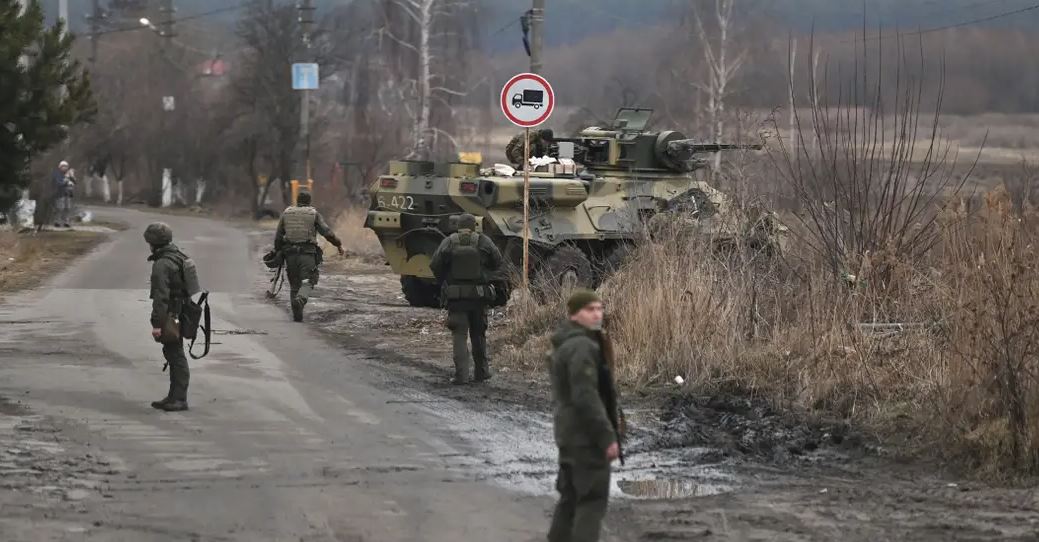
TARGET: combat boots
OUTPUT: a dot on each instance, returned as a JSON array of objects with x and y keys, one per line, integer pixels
[
  {"x": 157, "y": 405},
  {"x": 297, "y": 309},
  {"x": 174, "y": 405},
  {"x": 483, "y": 371}
]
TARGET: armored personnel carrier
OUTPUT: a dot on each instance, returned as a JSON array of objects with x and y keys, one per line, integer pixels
[{"x": 585, "y": 213}]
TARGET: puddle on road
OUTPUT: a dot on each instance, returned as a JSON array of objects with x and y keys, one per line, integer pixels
[{"x": 669, "y": 489}]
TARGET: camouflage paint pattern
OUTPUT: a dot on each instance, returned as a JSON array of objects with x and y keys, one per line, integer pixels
[{"x": 630, "y": 178}]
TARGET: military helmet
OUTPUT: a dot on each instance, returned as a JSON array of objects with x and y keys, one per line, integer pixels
[
  {"x": 466, "y": 221},
  {"x": 158, "y": 234},
  {"x": 303, "y": 198}
]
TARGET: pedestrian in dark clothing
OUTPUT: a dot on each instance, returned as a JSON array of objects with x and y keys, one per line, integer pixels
[
  {"x": 169, "y": 291},
  {"x": 463, "y": 264},
  {"x": 586, "y": 431},
  {"x": 296, "y": 239}
]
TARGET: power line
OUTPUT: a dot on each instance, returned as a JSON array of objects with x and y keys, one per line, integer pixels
[
  {"x": 976, "y": 21},
  {"x": 961, "y": 24},
  {"x": 178, "y": 20}
]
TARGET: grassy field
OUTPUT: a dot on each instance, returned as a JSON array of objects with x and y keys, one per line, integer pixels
[{"x": 27, "y": 260}]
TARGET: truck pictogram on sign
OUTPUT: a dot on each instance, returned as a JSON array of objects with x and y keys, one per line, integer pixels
[{"x": 534, "y": 98}]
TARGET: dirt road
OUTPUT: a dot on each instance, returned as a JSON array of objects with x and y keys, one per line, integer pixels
[{"x": 344, "y": 429}]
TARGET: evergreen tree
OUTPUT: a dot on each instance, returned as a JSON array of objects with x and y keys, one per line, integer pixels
[{"x": 43, "y": 91}]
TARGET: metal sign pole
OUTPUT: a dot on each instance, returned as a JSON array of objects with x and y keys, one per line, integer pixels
[{"x": 526, "y": 208}]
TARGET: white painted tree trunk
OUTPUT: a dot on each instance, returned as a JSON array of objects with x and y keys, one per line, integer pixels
[
  {"x": 106, "y": 189},
  {"x": 200, "y": 190},
  {"x": 167, "y": 187}
]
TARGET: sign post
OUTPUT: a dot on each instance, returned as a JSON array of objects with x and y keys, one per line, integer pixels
[
  {"x": 305, "y": 79},
  {"x": 527, "y": 101}
]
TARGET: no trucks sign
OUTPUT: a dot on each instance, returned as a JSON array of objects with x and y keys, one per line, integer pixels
[{"x": 527, "y": 100}]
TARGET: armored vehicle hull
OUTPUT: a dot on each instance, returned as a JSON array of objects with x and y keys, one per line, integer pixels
[{"x": 581, "y": 225}]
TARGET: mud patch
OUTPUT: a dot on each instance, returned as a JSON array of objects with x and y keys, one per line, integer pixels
[{"x": 750, "y": 428}]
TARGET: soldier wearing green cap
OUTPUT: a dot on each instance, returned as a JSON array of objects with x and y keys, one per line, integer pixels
[
  {"x": 587, "y": 423},
  {"x": 296, "y": 238},
  {"x": 169, "y": 290},
  {"x": 463, "y": 264}
]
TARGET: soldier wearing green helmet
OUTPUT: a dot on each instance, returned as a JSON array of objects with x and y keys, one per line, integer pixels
[{"x": 169, "y": 290}]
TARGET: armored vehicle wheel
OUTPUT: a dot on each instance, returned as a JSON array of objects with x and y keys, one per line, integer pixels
[
  {"x": 561, "y": 270},
  {"x": 420, "y": 292}
]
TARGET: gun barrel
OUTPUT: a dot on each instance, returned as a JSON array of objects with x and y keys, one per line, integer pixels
[
  {"x": 716, "y": 147},
  {"x": 690, "y": 146}
]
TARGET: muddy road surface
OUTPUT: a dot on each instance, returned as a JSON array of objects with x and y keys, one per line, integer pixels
[{"x": 344, "y": 429}]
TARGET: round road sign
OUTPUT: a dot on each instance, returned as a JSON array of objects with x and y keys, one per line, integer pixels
[{"x": 527, "y": 100}]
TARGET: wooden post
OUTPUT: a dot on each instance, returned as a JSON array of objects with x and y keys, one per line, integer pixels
[{"x": 526, "y": 209}]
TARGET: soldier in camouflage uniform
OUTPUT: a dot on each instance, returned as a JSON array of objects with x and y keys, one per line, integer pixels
[
  {"x": 297, "y": 240},
  {"x": 463, "y": 264},
  {"x": 168, "y": 293},
  {"x": 585, "y": 434},
  {"x": 542, "y": 143}
]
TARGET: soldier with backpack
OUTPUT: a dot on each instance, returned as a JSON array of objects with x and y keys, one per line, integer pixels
[
  {"x": 463, "y": 264},
  {"x": 175, "y": 316}
]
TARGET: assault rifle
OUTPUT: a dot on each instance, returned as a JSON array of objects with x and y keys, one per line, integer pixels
[{"x": 608, "y": 392}]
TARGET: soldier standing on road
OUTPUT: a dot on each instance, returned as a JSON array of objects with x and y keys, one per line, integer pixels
[
  {"x": 463, "y": 264},
  {"x": 169, "y": 291},
  {"x": 586, "y": 431},
  {"x": 296, "y": 239}
]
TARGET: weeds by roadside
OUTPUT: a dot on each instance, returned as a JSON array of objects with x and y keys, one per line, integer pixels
[
  {"x": 27, "y": 260},
  {"x": 357, "y": 241}
]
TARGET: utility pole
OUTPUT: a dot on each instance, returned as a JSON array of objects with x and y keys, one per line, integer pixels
[
  {"x": 63, "y": 13},
  {"x": 169, "y": 98},
  {"x": 306, "y": 24},
  {"x": 537, "y": 35},
  {"x": 95, "y": 28}
]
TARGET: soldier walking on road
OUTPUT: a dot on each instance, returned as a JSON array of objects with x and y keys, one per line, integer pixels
[
  {"x": 296, "y": 239},
  {"x": 587, "y": 421},
  {"x": 169, "y": 291},
  {"x": 463, "y": 264}
]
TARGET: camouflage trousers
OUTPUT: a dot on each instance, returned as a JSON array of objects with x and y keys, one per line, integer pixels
[
  {"x": 584, "y": 492},
  {"x": 179, "y": 373},
  {"x": 469, "y": 323},
  {"x": 302, "y": 273}
]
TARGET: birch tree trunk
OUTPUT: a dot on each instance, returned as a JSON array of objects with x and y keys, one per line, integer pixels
[{"x": 423, "y": 133}]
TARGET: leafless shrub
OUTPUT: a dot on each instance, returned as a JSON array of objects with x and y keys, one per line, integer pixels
[
  {"x": 991, "y": 394},
  {"x": 868, "y": 164}
]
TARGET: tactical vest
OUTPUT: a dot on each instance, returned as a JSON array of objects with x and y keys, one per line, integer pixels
[
  {"x": 466, "y": 263},
  {"x": 299, "y": 224},
  {"x": 184, "y": 281}
]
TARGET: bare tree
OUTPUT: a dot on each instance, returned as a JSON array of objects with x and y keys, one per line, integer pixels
[
  {"x": 427, "y": 42},
  {"x": 869, "y": 168},
  {"x": 722, "y": 62},
  {"x": 263, "y": 87}
]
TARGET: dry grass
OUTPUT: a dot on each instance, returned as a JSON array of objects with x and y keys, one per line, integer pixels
[
  {"x": 958, "y": 382},
  {"x": 358, "y": 241},
  {"x": 28, "y": 260}
]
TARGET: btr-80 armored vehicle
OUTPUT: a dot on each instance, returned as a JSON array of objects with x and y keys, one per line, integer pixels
[{"x": 583, "y": 219}]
